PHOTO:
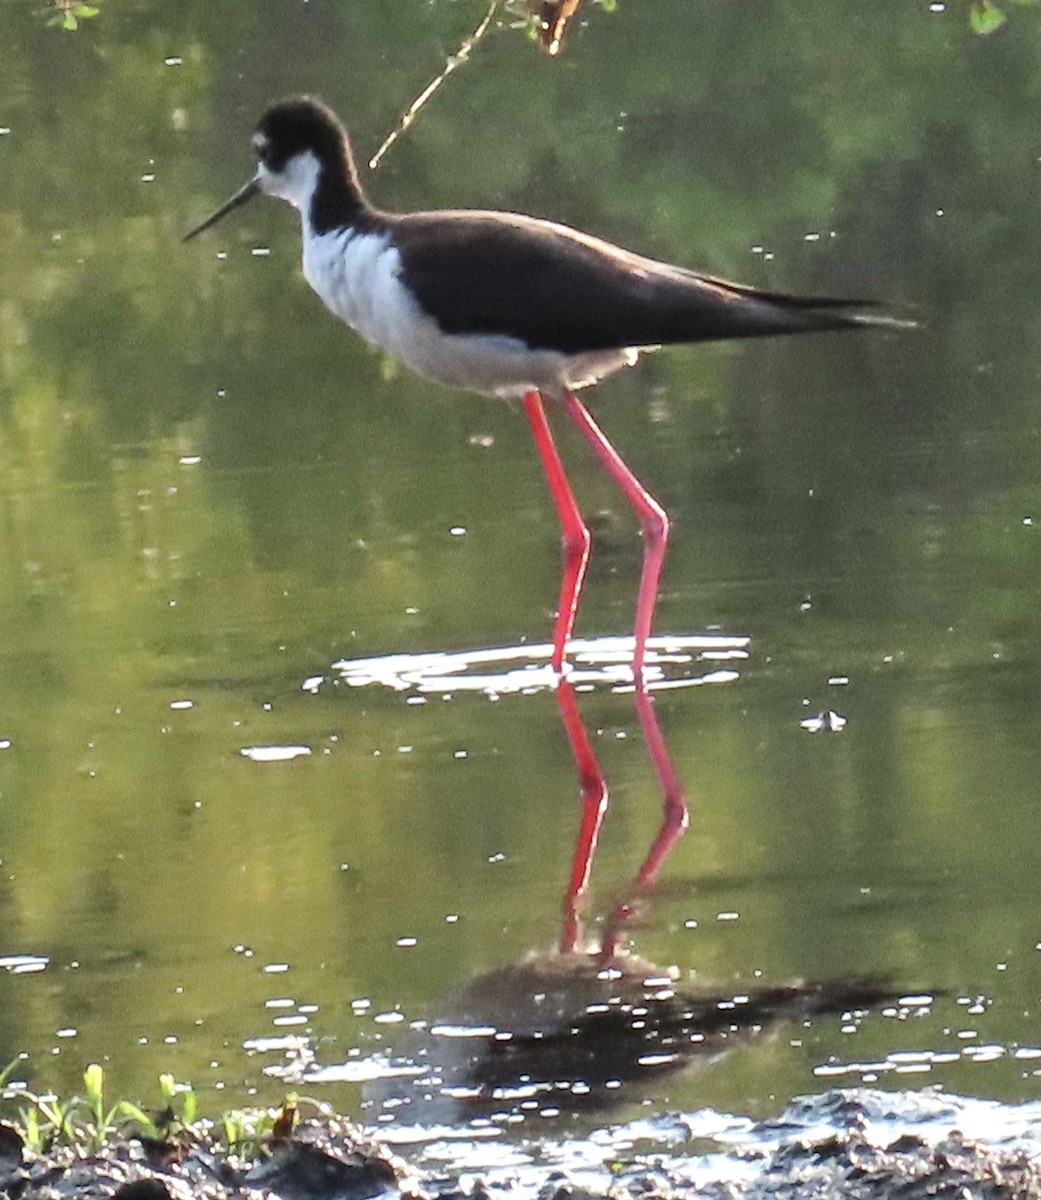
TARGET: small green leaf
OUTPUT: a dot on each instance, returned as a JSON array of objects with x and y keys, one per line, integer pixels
[
  {"x": 127, "y": 1108},
  {"x": 85, "y": 10},
  {"x": 68, "y": 20},
  {"x": 985, "y": 17},
  {"x": 94, "y": 1083},
  {"x": 34, "y": 1139}
]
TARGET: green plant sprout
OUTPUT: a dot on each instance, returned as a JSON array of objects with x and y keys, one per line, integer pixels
[
  {"x": 47, "y": 1120},
  {"x": 986, "y": 17},
  {"x": 67, "y": 14},
  {"x": 87, "y": 1123}
]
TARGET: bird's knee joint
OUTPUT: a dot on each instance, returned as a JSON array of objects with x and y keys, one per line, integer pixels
[
  {"x": 577, "y": 543},
  {"x": 656, "y": 527}
]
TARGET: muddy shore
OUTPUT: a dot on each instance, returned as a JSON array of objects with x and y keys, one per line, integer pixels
[{"x": 860, "y": 1144}]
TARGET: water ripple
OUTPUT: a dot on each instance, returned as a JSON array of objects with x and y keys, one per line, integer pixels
[{"x": 683, "y": 660}]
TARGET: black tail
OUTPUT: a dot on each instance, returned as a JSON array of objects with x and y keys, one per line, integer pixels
[{"x": 718, "y": 309}]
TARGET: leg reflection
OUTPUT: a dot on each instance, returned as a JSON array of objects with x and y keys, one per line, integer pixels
[
  {"x": 674, "y": 821},
  {"x": 594, "y": 796},
  {"x": 593, "y": 789}
]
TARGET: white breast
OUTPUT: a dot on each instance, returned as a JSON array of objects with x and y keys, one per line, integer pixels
[{"x": 358, "y": 277}]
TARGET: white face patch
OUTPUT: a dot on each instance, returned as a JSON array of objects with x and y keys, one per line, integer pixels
[{"x": 296, "y": 182}]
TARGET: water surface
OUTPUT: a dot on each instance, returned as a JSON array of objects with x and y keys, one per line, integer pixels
[{"x": 222, "y": 848}]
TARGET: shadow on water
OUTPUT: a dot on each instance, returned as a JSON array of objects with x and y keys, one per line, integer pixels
[
  {"x": 567, "y": 1032},
  {"x": 579, "y": 1028}
]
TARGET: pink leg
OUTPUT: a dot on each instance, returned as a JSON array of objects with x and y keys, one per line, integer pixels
[
  {"x": 675, "y": 814},
  {"x": 674, "y": 821},
  {"x": 594, "y": 807},
  {"x": 655, "y": 526},
  {"x": 653, "y": 522},
  {"x": 591, "y": 778},
  {"x": 573, "y": 528}
]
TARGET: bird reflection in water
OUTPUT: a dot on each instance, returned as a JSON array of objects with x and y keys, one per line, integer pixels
[
  {"x": 583, "y": 1026},
  {"x": 563, "y": 1033},
  {"x": 693, "y": 660}
]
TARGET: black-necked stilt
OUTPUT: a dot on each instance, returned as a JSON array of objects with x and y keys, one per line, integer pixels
[
  {"x": 518, "y": 307},
  {"x": 510, "y": 306}
]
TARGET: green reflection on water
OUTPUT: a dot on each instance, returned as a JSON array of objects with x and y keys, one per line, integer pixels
[{"x": 860, "y": 508}]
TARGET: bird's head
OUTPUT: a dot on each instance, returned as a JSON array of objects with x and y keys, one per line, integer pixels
[{"x": 295, "y": 142}]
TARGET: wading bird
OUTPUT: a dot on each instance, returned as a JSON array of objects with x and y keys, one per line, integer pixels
[
  {"x": 509, "y": 306},
  {"x": 514, "y": 306}
]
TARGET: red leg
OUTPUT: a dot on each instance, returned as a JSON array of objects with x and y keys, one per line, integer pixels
[
  {"x": 653, "y": 522},
  {"x": 573, "y": 528},
  {"x": 591, "y": 779},
  {"x": 674, "y": 821},
  {"x": 594, "y": 806},
  {"x": 655, "y": 526},
  {"x": 675, "y": 815}
]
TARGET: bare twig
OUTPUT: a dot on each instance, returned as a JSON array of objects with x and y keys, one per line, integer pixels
[{"x": 454, "y": 61}]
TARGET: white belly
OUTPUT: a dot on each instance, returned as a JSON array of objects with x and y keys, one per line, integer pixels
[{"x": 358, "y": 277}]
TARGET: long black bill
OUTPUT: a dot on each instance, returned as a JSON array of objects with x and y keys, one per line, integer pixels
[{"x": 240, "y": 197}]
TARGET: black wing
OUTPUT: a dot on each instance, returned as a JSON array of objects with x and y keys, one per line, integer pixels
[{"x": 555, "y": 288}]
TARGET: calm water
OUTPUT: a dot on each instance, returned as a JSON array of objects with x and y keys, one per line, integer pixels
[{"x": 211, "y": 494}]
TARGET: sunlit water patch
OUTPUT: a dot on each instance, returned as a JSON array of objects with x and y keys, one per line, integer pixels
[
  {"x": 274, "y": 753},
  {"x": 816, "y": 1146},
  {"x": 680, "y": 661},
  {"x": 887, "y": 1143},
  {"x": 23, "y": 964}
]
